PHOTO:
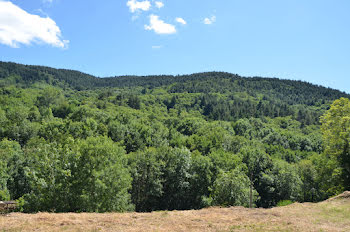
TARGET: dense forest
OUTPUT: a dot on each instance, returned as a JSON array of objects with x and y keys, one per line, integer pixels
[{"x": 72, "y": 142}]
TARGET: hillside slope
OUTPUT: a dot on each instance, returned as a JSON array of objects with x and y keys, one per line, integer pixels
[
  {"x": 172, "y": 142},
  {"x": 330, "y": 215},
  {"x": 220, "y": 95}
]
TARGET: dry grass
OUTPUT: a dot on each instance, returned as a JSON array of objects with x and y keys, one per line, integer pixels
[{"x": 331, "y": 215}]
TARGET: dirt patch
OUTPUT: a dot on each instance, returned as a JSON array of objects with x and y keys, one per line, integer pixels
[{"x": 344, "y": 195}]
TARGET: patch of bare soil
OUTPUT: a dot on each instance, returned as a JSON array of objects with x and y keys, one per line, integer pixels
[{"x": 344, "y": 195}]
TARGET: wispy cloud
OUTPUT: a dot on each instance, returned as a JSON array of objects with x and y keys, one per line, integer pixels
[
  {"x": 157, "y": 46},
  {"x": 159, "y": 4},
  {"x": 137, "y": 6},
  {"x": 19, "y": 27},
  {"x": 181, "y": 20},
  {"x": 159, "y": 26},
  {"x": 40, "y": 11},
  {"x": 210, "y": 20},
  {"x": 135, "y": 17}
]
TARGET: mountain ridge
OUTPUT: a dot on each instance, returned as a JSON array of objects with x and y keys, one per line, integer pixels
[{"x": 12, "y": 68}]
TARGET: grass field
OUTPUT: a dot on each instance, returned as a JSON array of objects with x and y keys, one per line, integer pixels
[{"x": 330, "y": 215}]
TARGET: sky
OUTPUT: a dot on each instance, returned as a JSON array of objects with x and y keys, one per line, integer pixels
[{"x": 289, "y": 39}]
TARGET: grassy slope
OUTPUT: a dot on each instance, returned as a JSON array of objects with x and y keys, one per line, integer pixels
[{"x": 330, "y": 215}]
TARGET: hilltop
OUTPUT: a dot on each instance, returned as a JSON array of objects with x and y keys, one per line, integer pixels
[
  {"x": 324, "y": 216},
  {"x": 28, "y": 74}
]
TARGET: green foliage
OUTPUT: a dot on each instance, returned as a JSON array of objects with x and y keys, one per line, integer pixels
[
  {"x": 147, "y": 184},
  {"x": 284, "y": 203},
  {"x": 134, "y": 102},
  {"x": 9, "y": 151},
  {"x": 232, "y": 189},
  {"x": 287, "y": 181},
  {"x": 49, "y": 96},
  {"x": 85, "y": 176},
  {"x": 48, "y": 175},
  {"x": 170, "y": 178},
  {"x": 101, "y": 178},
  {"x": 74, "y": 142},
  {"x": 336, "y": 133}
]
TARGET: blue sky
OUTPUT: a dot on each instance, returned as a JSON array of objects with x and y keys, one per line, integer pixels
[{"x": 291, "y": 39}]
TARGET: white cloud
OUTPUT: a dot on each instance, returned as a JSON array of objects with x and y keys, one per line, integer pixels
[
  {"x": 49, "y": 1},
  {"x": 210, "y": 20},
  {"x": 19, "y": 27},
  {"x": 181, "y": 20},
  {"x": 159, "y": 26},
  {"x": 159, "y": 4},
  {"x": 137, "y": 6}
]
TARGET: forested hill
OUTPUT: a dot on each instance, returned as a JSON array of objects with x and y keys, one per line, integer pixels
[
  {"x": 299, "y": 92},
  {"x": 221, "y": 96},
  {"x": 70, "y": 141}
]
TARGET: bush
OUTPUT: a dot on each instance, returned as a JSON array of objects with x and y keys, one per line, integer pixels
[{"x": 284, "y": 203}]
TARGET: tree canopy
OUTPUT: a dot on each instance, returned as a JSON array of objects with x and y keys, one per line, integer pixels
[{"x": 72, "y": 142}]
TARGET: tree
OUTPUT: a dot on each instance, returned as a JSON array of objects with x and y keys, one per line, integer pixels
[
  {"x": 77, "y": 176},
  {"x": 49, "y": 176},
  {"x": 101, "y": 180},
  {"x": 336, "y": 134},
  {"x": 287, "y": 181},
  {"x": 232, "y": 189},
  {"x": 201, "y": 181},
  {"x": 49, "y": 96},
  {"x": 309, "y": 188},
  {"x": 147, "y": 184},
  {"x": 12, "y": 180},
  {"x": 134, "y": 102},
  {"x": 259, "y": 165},
  {"x": 177, "y": 176}
]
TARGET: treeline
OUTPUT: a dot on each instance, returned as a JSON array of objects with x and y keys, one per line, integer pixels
[
  {"x": 288, "y": 91},
  {"x": 146, "y": 146}
]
